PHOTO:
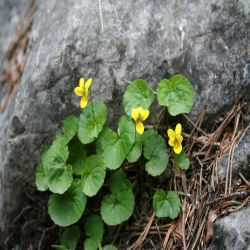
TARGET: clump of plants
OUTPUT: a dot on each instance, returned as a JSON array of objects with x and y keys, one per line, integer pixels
[{"x": 86, "y": 158}]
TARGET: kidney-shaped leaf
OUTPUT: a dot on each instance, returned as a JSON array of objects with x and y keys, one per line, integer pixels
[
  {"x": 77, "y": 157},
  {"x": 59, "y": 176},
  {"x": 93, "y": 175},
  {"x": 90, "y": 244},
  {"x": 66, "y": 209},
  {"x": 70, "y": 237},
  {"x": 118, "y": 181},
  {"x": 137, "y": 94},
  {"x": 117, "y": 207},
  {"x": 90, "y": 125},
  {"x": 154, "y": 150},
  {"x": 69, "y": 127},
  {"x": 181, "y": 161},
  {"x": 176, "y": 94},
  {"x": 94, "y": 227},
  {"x": 56, "y": 152},
  {"x": 116, "y": 151},
  {"x": 106, "y": 138},
  {"x": 41, "y": 180},
  {"x": 109, "y": 247},
  {"x": 166, "y": 204}
]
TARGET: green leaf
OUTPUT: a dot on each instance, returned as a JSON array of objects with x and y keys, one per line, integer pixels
[
  {"x": 90, "y": 125},
  {"x": 41, "y": 180},
  {"x": 59, "y": 247},
  {"x": 109, "y": 247},
  {"x": 56, "y": 152},
  {"x": 77, "y": 157},
  {"x": 66, "y": 209},
  {"x": 70, "y": 237},
  {"x": 107, "y": 137},
  {"x": 59, "y": 176},
  {"x": 94, "y": 227},
  {"x": 137, "y": 94},
  {"x": 93, "y": 175},
  {"x": 181, "y": 161},
  {"x": 166, "y": 204},
  {"x": 117, "y": 207},
  {"x": 176, "y": 94},
  {"x": 135, "y": 152},
  {"x": 118, "y": 181},
  {"x": 154, "y": 150},
  {"x": 69, "y": 127},
  {"x": 116, "y": 151},
  {"x": 90, "y": 244}
]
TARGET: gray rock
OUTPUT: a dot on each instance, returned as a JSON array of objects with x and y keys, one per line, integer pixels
[
  {"x": 232, "y": 232},
  {"x": 241, "y": 159},
  {"x": 117, "y": 41}
]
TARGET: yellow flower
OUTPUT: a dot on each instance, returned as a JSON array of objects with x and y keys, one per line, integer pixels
[
  {"x": 83, "y": 90},
  {"x": 139, "y": 115},
  {"x": 175, "y": 138}
]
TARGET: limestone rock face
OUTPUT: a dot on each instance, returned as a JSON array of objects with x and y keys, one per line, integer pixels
[
  {"x": 114, "y": 42},
  {"x": 232, "y": 231}
]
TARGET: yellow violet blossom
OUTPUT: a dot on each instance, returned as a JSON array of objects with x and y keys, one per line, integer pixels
[
  {"x": 139, "y": 115},
  {"x": 175, "y": 138},
  {"x": 83, "y": 90}
]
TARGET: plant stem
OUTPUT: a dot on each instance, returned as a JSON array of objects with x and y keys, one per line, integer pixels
[{"x": 92, "y": 107}]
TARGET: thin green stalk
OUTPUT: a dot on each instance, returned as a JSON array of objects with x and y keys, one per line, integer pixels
[{"x": 92, "y": 107}]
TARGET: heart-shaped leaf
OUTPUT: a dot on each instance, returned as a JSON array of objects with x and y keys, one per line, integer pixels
[
  {"x": 109, "y": 247},
  {"x": 176, "y": 94},
  {"x": 69, "y": 127},
  {"x": 70, "y": 237},
  {"x": 137, "y": 94},
  {"x": 56, "y": 152},
  {"x": 115, "y": 151},
  {"x": 106, "y": 138},
  {"x": 66, "y": 209},
  {"x": 77, "y": 157},
  {"x": 166, "y": 204},
  {"x": 117, "y": 207},
  {"x": 135, "y": 152},
  {"x": 181, "y": 161},
  {"x": 59, "y": 176},
  {"x": 155, "y": 151},
  {"x": 91, "y": 122},
  {"x": 118, "y": 181},
  {"x": 90, "y": 244},
  {"x": 41, "y": 180},
  {"x": 94, "y": 227},
  {"x": 93, "y": 175}
]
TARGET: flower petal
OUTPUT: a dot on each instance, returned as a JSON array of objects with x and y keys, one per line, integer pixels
[
  {"x": 144, "y": 114},
  {"x": 78, "y": 91},
  {"x": 171, "y": 142},
  {"x": 81, "y": 82},
  {"x": 139, "y": 127},
  {"x": 179, "y": 138},
  {"x": 88, "y": 84},
  {"x": 135, "y": 114},
  {"x": 178, "y": 129},
  {"x": 177, "y": 148},
  {"x": 84, "y": 101},
  {"x": 171, "y": 133}
]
